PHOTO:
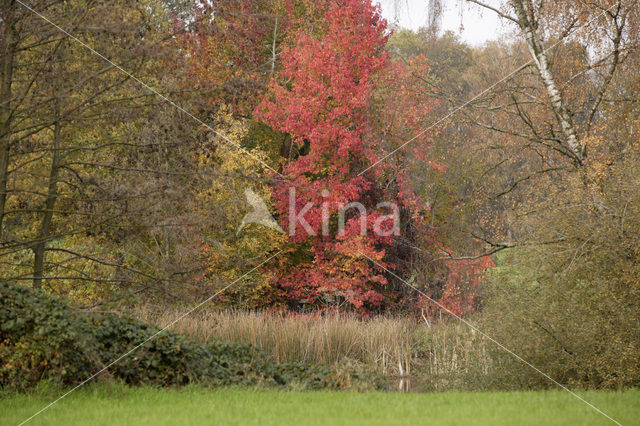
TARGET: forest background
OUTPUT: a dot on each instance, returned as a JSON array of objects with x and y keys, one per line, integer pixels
[{"x": 131, "y": 130}]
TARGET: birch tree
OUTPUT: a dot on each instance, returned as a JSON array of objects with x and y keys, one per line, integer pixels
[{"x": 608, "y": 30}]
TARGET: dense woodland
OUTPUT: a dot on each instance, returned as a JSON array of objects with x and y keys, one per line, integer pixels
[{"x": 130, "y": 131}]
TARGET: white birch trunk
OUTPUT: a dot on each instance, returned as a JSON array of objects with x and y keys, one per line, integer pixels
[{"x": 527, "y": 22}]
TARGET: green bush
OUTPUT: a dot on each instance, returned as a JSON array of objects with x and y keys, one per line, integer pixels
[
  {"x": 581, "y": 327},
  {"x": 43, "y": 338}
]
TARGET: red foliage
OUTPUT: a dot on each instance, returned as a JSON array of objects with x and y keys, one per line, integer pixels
[
  {"x": 460, "y": 294},
  {"x": 324, "y": 107},
  {"x": 345, "y": 104}
]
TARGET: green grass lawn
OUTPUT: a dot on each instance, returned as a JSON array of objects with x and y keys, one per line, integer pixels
[{"x": 119, "y": 405}]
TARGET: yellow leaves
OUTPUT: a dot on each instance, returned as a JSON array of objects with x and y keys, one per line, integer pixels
[
  {"x": 230, "y": 172},
  {"x": 599, "y": 163}
]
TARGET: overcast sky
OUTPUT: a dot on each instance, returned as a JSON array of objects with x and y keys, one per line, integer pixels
[{"x": 473, "y": 25}]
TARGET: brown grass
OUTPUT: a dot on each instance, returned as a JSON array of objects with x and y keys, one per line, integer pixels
[{"x": 443, "y": 354}]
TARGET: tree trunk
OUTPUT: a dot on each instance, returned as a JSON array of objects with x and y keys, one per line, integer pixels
[
  {"x": 528, "y": 24},
  {"x": 7, "y": 56},
  {"x": 40, "y": 247}
]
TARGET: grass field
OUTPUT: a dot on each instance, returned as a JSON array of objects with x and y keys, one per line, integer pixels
[{"x": 118, "y": 405}]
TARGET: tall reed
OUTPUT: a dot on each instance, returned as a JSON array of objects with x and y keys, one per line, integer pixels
[{"x": 443, "y": 354}]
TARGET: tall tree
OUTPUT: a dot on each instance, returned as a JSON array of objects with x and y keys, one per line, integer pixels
[
  {"x": 324, "y": 107},
  {"x": 64, "y": 108}
]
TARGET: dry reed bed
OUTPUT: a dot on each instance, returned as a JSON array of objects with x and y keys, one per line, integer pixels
[{"x": 394, "y": 346}]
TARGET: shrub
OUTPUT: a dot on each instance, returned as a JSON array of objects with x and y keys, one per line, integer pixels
[{"x": 579, "y": 325}]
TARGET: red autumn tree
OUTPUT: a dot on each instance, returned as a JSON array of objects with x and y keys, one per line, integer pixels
[{"x": 324, "y": 107}]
